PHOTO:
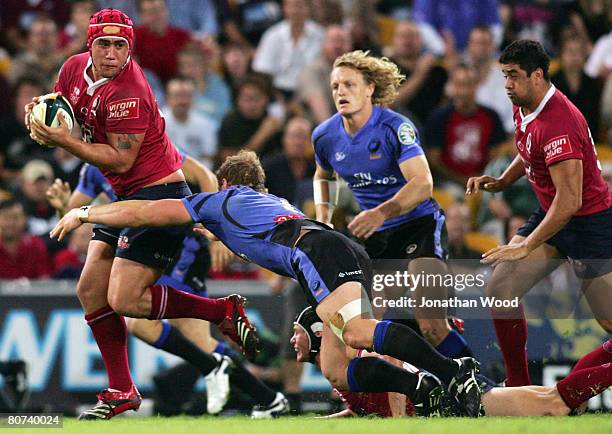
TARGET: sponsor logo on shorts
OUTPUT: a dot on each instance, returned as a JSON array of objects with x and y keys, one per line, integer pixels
[
  {"x": 557, "y": 147},
  {"x": 123, "y": 109},
  {"x": 350, "y": 273},
  {"x": 123, "y": 242},
  {"x": 411, "y": 248}
]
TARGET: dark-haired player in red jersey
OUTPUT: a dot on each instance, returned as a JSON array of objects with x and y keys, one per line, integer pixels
[
  {"x": 123, "y": 133},
  {"x": 574, "y": 221}
]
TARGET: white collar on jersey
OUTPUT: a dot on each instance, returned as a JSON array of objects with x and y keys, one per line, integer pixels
[
  {"x": 531, "y": 116},
  {"x": 91, "y": 85}
]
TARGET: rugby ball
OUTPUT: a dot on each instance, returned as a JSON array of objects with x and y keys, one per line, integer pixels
[{"x": 48, "y": 109}]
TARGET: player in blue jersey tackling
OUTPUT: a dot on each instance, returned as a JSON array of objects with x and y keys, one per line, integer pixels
[
  {"x": 334, "y": 272},
  {"x": 377, "y": 152},
  {"x": 187, "y": 338}
]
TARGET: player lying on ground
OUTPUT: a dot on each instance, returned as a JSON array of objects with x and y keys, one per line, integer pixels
[
  {"x": 273, "y": 234},
  {"x": 591, "y": 376},
  {"x": 187, "y": 338}
]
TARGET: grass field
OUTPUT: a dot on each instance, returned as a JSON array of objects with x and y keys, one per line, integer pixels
[{"x": 303, "y": 425}]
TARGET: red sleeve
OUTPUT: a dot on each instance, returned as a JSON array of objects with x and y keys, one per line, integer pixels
[
  {"x": 61, "y": 84},
  {"x": 560, "y": 141},
  {"x": 127, "y": 110}
]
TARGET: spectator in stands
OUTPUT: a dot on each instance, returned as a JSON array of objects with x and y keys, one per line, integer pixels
[
  {"x": 245, "y": 21},
  {"x": 73, "y": 37},
  {"x": 17, "y": 16},
  {"x": 582, "y": 90},
  {"x": 491, "y": 91},
  {"x": 423, "y": 89},
  {"x": 461, "y": 138},
  {"x": 198, "y": 17},
  {"x": 327, "y": 12},
  {"x": 212, "y": 97},
  {"x": 599, "y": 63},
  {"x": 236, "y": 65},
  {"x": 5, "y": 181},
  {"x": 36, "y": 178},
  {"x": 69, "y": 262},
  {"x": 192, "y": 133},
  {"x": 16, "y": 144},
  {"x": 42, "y": 57},
  {"x": 21, "y": 254},
  {"x": 250, "y": 125},
  {"x": 66, "y": 166},
  {"x": 289, "y": 46},
  {"x": 440, "y": 19},
  {"x": 364, "y": 28},
  {"x": 156, "y": 43},
  {"x": 313, "y": 82},
  {"x": 458, "y": 224},
  {"x": 289, "y": 173}
]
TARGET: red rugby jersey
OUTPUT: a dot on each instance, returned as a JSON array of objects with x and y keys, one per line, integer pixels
[
  {"x": 124, "y": 104},
  {"x": 554, "y": 132}
]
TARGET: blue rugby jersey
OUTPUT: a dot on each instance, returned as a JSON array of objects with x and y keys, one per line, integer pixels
[
  {"x": 369, "y": 161},
  {"x": 92, "y": 183},
  {"x": 244, "y": 220}
]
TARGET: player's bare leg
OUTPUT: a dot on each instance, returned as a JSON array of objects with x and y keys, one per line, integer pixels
[
  {"x": 347, "y": 312},
  {"x": 598, "y": 292},
  {"x": 524, "y": 401},
  {"x": 510, "y": 323},
  {"x": 110, "y": 332},
  {"x": 133, "y": 293}
]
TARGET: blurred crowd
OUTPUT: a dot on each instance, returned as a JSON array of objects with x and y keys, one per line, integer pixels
[{"x": 233, "y": 74}]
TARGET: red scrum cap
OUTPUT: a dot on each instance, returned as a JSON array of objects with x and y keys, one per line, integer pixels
[{"x": 110, "y": 24}]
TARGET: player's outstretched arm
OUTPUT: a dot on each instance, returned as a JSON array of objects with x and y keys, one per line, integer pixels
[
  {"x": 325, "y": 194},
  {"x": 196, "y": 172},
  {"x": 493, "y": 185},
  {"x": 129, "y": 213}
]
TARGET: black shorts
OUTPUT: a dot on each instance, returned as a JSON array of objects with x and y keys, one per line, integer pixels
[
  {"x": 153, "y": 247},
  {"x": 325, "y": 259},
  {"x": 424, "y": 237},
  {"x": 585, "y": 240}
]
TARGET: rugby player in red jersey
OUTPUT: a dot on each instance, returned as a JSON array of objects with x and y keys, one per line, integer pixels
[
  {"x": 590, "y": 376},
  {"x": 574, "y": 220},
  {"x": 123, "y": 133}
]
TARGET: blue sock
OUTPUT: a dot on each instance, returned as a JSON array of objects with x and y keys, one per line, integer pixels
[
  {"x": 452, "y": 345},
  {"x": 161, "y": 340},
  {"x": 379, "y": 336},
  {"x": 350, "y": 375},
  {"x": 224, "y": 349}
]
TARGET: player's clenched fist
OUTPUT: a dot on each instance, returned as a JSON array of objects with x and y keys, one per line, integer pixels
[{"x": 486, "y": 183}]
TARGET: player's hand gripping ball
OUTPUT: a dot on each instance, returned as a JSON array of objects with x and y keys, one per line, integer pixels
[{"x": 48, "y": 111}]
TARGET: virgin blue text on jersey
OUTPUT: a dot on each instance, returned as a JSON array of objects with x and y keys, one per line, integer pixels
[{"x": 370, "y": 160}]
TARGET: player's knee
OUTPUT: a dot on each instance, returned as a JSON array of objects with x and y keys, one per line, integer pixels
[
  {"x": 117, "y": 303},
  {"x": 336, "y": 375},
  {"x": 89, "y": 294},
  {"x": 606, "y": 324},
  {"x": 356, "y": 338},
  {"x": 132, "y": 324},
  {"x": 434, "y": 330}
]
